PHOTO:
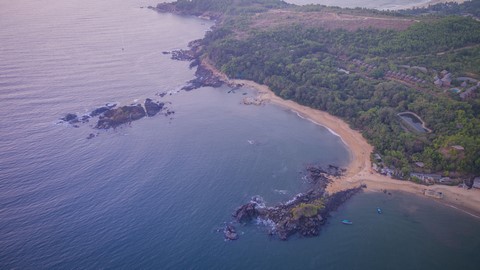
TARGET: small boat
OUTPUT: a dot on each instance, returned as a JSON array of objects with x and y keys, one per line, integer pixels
[
  {"x": 379, "y": 210},
  {"x": 347, "y": 222}
]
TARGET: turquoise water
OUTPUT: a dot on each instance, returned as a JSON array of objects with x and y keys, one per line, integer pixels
[{"x": 151, "y": 195}]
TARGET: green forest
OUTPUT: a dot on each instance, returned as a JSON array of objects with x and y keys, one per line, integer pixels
[
  {"x": 305, "y": 64},
  {"x": 470, "y": 8}
]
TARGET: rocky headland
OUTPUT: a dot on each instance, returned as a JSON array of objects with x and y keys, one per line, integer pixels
[
  {"x": 305, "y": 213},
  {"x": 173, "y": 8},
  {"x": 204, "y": 77}
]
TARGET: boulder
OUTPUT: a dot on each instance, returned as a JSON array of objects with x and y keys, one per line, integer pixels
[
  {"x": 70, "y": 117},
  {"x": 230, "y": 232},
  {"x": 152, "y": 107},
  {"x": 99, "y": 111}
]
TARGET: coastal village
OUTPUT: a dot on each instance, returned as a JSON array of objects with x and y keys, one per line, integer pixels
[
  {"x": 430, "y": 81},
  {"x": 425, "y": 178},
  {"x": 420, "y": 78}
]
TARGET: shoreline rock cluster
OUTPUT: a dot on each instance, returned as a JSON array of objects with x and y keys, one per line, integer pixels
[
  {"x": 303, "y": 214},
  {"x": 111, "y": 116},
  {"x": 204, "y": 77},
  {"x": 253, "y": 101}
]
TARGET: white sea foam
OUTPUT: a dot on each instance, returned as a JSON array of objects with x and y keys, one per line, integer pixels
[
  {"x": 294, "y": 199},
  {"x": 280, "y": 191},
  {"x": 266, "y": 222},
  {"x": 316, "y": 123},
  {"x": 259, "y": 201},
  {"x": 173, "y": 92},
  {"x": 112, "y": 104}
]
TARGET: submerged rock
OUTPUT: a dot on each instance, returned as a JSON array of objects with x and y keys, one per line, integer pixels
[
  {"x": 230, "y": 232},
  {"x": 91, "y": 136},
  {"x": 69, "y": 117},
  {"x": 85, "y": 118}
]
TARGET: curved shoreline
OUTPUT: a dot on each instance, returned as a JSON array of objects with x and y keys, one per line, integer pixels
[{"x": 359, "y": 170}]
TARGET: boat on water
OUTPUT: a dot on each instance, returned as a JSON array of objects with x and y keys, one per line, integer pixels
[
  {"x": 347, "y": 222},
  {"x": 379, "y": 210}
]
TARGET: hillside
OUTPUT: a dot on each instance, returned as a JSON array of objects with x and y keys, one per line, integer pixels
[{"x": 366, "y": 67}]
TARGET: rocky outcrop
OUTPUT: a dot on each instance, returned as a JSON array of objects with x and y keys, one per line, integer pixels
[
  {"x": 111, "y": 117},
  {"x": 70, "y": 118},
  {"x": 203, "y": 78},
  {"x": 152, "y": 107},
  {"x": 246, "y": 212},
  {"x": 304, "y": 213},
  {"x": 230, "y": 232},
  {"x": 339, "y": 198},
  {"x": 73, "y": 119},
  {"x": 102, "y": 110},
  {"x": 122, "y": 115},
  {"x": 253, "y": 101},
  {"x": 91, "y": 136},
  {"x": 183, "y": 55}
]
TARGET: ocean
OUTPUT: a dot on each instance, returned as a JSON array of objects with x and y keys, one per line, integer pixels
[{"x": 152, "y": 194}]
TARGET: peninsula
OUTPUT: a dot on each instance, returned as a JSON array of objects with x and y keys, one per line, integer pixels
[{"x": 354, "y": 71}]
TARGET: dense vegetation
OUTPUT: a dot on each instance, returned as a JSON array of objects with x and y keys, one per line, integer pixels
[
  {"x": 471, "y": 8},
  {"x": 308, "y": 65},
  {"x": 228, "y": 6}
]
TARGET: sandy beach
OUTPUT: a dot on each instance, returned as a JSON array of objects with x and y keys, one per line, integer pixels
[{"x": 359, "y": 170}]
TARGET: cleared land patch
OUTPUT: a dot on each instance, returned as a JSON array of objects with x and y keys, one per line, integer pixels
[{"x": 328, "y": 20}]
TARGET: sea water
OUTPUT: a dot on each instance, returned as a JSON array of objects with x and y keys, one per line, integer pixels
[{"x": 153, "y": 194}]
